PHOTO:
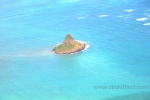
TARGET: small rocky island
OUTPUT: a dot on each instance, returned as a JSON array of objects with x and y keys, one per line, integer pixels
[{"x": 69, "y": 46}]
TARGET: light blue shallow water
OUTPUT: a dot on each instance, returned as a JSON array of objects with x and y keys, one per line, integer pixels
[{"x": 118, "y": 32}]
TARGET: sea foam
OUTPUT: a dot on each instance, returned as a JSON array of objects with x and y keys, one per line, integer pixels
[
  {"x": 86, "y": 43},
  {"x": 128, "y": 10},
  {"x": 146, "y": 24},
  {"x": 141, "y": 19},
  {"x": 103, "y": 15}
]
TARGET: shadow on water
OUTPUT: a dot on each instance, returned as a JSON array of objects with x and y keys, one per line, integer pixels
[{"x": 135, "y": 96}]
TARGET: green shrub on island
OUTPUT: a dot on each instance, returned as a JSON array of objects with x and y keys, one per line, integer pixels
[{"x": 69, "y": 46}]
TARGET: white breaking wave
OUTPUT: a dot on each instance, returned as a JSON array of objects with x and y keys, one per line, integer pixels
[
  {"x": 87, "y": 46},
  {"x": 141, "y": 19},
  {"x": 126, "y": 16},
  {"x": 149, "y": 16},
  {"x": 146, "y": 24},
  {"x": 103, "y": 15},
  {"x": 128, "y": 10},
  {"x": 80, "y": 17}
]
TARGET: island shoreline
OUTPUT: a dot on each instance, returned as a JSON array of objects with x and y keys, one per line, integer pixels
[
  {"x": 78, "y": 50},
  {"x": 69, "y": 46}
]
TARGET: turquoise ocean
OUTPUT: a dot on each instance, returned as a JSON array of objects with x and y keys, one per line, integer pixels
[{"x": 118, "y": 35}]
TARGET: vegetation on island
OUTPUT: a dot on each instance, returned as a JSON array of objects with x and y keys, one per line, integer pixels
[{"x": 69, "y": 46}]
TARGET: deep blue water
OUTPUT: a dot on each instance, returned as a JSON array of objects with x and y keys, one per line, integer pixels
[{"x": 118, "y": 32}]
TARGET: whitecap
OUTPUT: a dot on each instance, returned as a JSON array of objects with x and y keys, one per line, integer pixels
[
  {"x": 128, "y": 10},
  {"x": 103, "y": 15},
  {"x": 80, "y": 17},
  {"x": 141, "y": 19},
  {"x": 86, "y": 47},
  {"x": 146, "y": 24},
  {"x": 149, "y": 16}
]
